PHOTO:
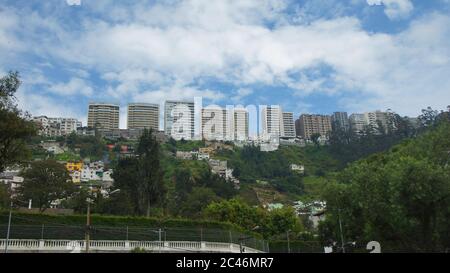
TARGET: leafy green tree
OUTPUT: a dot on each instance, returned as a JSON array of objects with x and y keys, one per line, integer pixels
[
  {"x": 236, "y": 212},
  {"x": 428, "y": 117},
  {"x": 141, "y": 178},
  {"x": 77, "y": 200},
  {"x": 15, "y": 126},
  {"x": 217, "y": 184},
  {"x": 254, "y": 218},
  {"x": 44, "y": 182},
  {"x": 4, "y": 196},
  {"x": 198, "y": 199},
  {"x": 282, "y": 220},
  {"x": 400, "y": 198},
  {"x": 183, "y": 184},
  {"x": 152, "y": 186},
  {"x": 118, "y": 204},
  {"x": 126, "y": 178},
  {"x": 315, "y": 139}
]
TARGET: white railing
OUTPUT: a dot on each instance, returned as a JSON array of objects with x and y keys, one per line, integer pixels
[{"x": 23, "y": 245}]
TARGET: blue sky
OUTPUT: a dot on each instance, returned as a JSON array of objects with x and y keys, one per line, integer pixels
[{"x": 309, "y": 56}]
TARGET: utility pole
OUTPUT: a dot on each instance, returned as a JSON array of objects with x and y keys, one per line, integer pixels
[
  {"x": 340, "y": 229},
  {"x": 9, "y": 226},
  {"x": 288, "y": 242},
  {"x": 159, "y": 235},
  {"x": 88, "y": 225}
]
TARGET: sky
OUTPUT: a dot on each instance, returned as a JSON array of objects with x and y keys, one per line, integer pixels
[{"x": 309, "y": 56}]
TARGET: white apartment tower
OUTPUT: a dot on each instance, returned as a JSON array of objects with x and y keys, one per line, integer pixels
[
  {"x": 240, "y": 124},
  {"x": 143, "y": 116},
  {"x": 272, "y": 121},
  {"x": 374, "y": 119},
  {"x": 179, "y": 119},
  {"x": 216, "y": 123}
]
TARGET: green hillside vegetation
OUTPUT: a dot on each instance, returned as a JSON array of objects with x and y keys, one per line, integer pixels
[{"x": 400, "y": 198}]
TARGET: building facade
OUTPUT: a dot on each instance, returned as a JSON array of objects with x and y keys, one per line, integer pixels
[
  {"x": 376, "y": 119},
  {"x": 56, "y": 126},
  {"x": 103, "y": 116},
  {"x": 179, "y": 120},
  {"x": 143, "y": 116},
  {"x": 309, "y": 125},
  {"x": 272, "y": 121},
  {"x": 339, "y": 121},
  {"x": 357, "y": 123},
  {"x": 240, "y": 124},
  {"x": 216, "y": 124},
  {"x": 288, "y": 129}
]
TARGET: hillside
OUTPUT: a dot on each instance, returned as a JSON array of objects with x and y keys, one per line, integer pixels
[{"x": 400, "y": 198}]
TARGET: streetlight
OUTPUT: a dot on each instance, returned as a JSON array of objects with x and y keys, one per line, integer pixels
[{"x": 159, "y": 231}]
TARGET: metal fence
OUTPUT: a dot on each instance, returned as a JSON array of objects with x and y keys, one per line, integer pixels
[{"x": 131, "y": 233}]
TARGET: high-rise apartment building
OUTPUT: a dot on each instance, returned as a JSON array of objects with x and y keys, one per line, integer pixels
[
  {"x": 216, "y": 124},
  {"x": 179, "y": 119},
  {"x": 103, "y": 116},
  {"x": 240, "y": 124},
  {"x": 288, "y": 129},
  {"x": 357, "y": 123},
  {"x": 376, "y": 119},
  {"x": 339, "y": 121},
  {"x": 272, "y": 121},
  {"x": 308, "y": 125},
  {"x": 371, "y": 120},
  {"x": 143, "y": 116}
]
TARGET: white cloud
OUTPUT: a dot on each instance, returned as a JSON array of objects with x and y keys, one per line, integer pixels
[
  {"x": 178, "y": 93},
  {"x": 75, "y": 86},
  {"x": 394, "y": 9},
  {"x": 162, "y": 51},
  {"x": 240, "y": 94},
  {"x": 73, "y": 2}
]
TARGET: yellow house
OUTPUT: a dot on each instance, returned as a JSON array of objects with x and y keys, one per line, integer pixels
[{"x": 74, "y": 166}]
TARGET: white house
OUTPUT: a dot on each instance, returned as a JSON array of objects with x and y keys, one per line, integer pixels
[
  {"x": 298, "y": 168},
  {"x": 203, "y": 156}
]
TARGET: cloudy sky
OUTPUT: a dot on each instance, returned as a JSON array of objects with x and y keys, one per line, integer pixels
[{"x": 310, "y": 56}]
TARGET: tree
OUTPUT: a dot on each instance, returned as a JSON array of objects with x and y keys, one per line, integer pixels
[
  {"x": 183, "y": 184},
  {"x": 198, "y": 199},
  {"x": 428, "y": 117},
  {"x": 400, "y": 198},
  {"x": 315, "y": 138},
  {"x": 282, "y": 220},
  {"x": 45, "y": 182},
  {"x": 4, "y": 196},
  {"x": 269, "y": 223},
  {"x": 150, "y": 172},
  {"x": 126, "y": 179},
  {"x": 15, "y": 126},
  {"x": 141, "y": 178},
  {"x": 236, "y": 212}
]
